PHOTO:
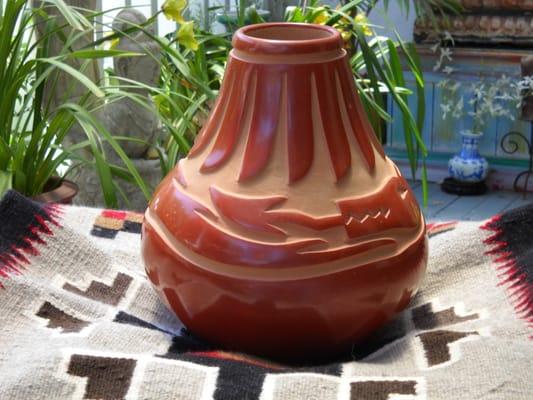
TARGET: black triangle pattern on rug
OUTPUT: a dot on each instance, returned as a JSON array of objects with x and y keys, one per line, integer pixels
[
  {"x": 511, "y": 245},
  {"x": 28, "y": 225}
]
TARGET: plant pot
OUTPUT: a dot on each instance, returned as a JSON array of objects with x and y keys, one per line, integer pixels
[
  {"x": 57, "y": 190},
  {"x": 468, "y": 166},
  {"x": 286, "y": 231}
]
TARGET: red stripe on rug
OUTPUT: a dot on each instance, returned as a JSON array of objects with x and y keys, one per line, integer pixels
[{"x": 114, "y": 214}]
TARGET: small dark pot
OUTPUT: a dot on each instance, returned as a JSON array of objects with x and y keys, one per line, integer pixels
[{"x": 58, "y": 190}]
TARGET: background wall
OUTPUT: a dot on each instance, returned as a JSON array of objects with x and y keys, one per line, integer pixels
[{"x": 394, "y": 19}]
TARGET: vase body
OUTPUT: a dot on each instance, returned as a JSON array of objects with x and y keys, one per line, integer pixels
[
  {"x": 468, "y": 165},
  {"x": 286, "y": 231}
]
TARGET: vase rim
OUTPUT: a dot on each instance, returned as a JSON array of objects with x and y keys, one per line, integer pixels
[
  {"x": 471, "y": 135},
  {"x": 287, "y": 38}
]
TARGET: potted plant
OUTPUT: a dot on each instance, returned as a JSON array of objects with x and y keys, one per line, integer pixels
[
  {"x": 35, "y": 151},
  {"x": 479, "y": 103}
]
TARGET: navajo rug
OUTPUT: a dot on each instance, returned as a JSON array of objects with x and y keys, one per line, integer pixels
[{"x": 78, "y": 319}]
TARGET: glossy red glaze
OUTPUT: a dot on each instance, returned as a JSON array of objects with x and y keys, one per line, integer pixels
[{"x": 286, "y": 231}]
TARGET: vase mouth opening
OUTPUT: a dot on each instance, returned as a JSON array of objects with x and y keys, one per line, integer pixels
[
  {"x": 287, "y": 38},
  {"x": 470, "y": 134}
]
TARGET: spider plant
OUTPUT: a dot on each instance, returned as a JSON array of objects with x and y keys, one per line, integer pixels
[
  {"x": 33, "y": 133},
  {"x": 192, "y": 65},
  {"x": 190, "y": 81}
]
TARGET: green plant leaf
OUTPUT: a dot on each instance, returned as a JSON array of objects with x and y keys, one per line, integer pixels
[
  {"x": 74, "y": 19},
  {"x": 99, "y": 53},
  {"x": 92, "y": 126},
  {"x": 5, "y": 182},
  {"x": 90, "y": 85},
  {"x": 102, "y": 167}
]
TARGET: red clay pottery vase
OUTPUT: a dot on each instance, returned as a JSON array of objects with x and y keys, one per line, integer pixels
[{"x": 286, "y": 231}]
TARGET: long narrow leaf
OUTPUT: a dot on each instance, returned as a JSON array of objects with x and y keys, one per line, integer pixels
[{"x": 90, "y": 85}]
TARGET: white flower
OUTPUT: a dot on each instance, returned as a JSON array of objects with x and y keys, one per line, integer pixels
[
  {"x": 443, "y": 84},
  {"x": 495, "y": 109},
  {"x": 484, "y": 99},
  {"x": 455, "y": 86},
  {"x": 448, "y": 70},
  {"x": 437, "y": 65},
  {"x": 445, "y": 108},
  {"x": 479, "y": 91},
  {"x": 505, "y": 97},
  {"x": 446, "y": 52}
]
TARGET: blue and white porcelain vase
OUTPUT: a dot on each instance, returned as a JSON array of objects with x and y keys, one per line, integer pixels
[{"x": 469, "y": 165}]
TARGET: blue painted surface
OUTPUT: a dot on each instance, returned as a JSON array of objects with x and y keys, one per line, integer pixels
[{"x": 442, "y": 135}]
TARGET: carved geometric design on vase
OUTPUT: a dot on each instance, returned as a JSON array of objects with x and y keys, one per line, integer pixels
[
  {"x": 334, "y": 115},
  {"x": 261, "y": 225}
]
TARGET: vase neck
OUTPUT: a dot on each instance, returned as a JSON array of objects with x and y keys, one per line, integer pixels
[
  {"x": 470, "y": 147},
  {"x": 303, "y": 101}
]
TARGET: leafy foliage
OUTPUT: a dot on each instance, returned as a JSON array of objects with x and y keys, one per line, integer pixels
[
  {"x": 190, "y": 81},
  {"x": 34, "y": 136},
  {"x": 33, "y": 133}
]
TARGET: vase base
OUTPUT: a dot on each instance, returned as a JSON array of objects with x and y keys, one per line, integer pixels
[{"x": 453, "y": 186}]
